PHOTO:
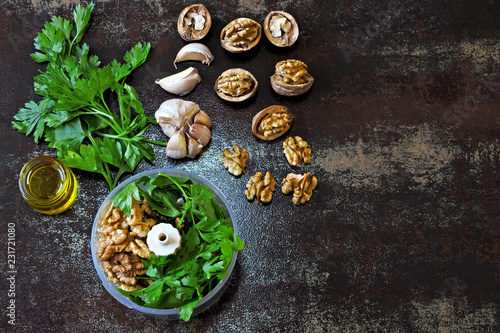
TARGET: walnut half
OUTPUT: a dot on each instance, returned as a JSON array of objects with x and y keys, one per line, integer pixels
[
  {"x": 296, "y": 151},
  {"x": 236, "y": 85},
  {"x": 272, "y": 122},
  {"x": 301, "y": 185},
  {"x": 291, "y": 78},
  {"x": 240, "y": 35},
  {"x": 194, "y": 22},
  {"x": 236, "y": 161},
  {"x": 259, "y": 188},
  {"x": 281, "y": 28}
]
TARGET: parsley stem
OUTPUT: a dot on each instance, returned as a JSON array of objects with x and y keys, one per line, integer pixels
[
  {"x": 183, "y": 193},
  {"x": 113, "y": 136},
  {"x": 106, "y": 173},
  {"x": 158, "y": 143}
]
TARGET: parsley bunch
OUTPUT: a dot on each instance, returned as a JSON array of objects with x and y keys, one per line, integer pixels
[
  {"x": 74, "y": 108},
  {"x": 208, "y": 242}
]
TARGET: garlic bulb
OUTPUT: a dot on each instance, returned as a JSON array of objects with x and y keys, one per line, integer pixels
[
  {"x": 187, "y": 126},
  {"x": 181, "y": 83},
  {"x": 176, "y": 114},
  {"x": 196, "y": 52}
]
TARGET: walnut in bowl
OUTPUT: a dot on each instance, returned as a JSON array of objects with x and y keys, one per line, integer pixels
[
  {"x": 291, "y": 78},
  {"x": 236, "y": 85},
  {"x": 281, "y": 28},
  {"x": 240, "y": 35},
  {"x": 194, "y": 22}
]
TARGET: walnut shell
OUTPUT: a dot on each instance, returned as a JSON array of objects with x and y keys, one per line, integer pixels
[
  {"x": 287, "y": 88},
  {"x": 240, "y": 35},
  {"x": 277, "y": 119},
  {"x": 286, "y": 38},
  {"x": 187, "y": 32},
  {"x": 236, "y": 98}
]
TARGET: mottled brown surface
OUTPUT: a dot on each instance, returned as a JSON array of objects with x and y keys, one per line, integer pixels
[{"x": 402, "y": 233}]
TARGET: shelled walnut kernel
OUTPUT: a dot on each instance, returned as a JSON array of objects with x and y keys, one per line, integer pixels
[
  {"x": 296, "y": 151},
  {"x": 121, "y": 244},
  {"x": 259, "y": 188},
  {"x": 301, "y": 186},
  {"x": 236, "y": 161}
]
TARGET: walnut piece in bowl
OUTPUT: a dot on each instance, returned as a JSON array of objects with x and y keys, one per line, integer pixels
[
  {"x": 281, "y": 28},
  {"x": 236, "y": 85},
  {"x": 240, "y": 35},
  {"x": 291, "y": 78},
  {"x": 194, "y": 22}
]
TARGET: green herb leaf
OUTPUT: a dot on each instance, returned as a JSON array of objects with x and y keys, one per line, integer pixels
[
  {"x": 186, "y": 311},
  {"x": 73, "y": 87},
  {"x": 123, "y": 199}
]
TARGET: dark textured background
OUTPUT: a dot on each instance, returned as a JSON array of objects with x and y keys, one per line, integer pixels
[{"x": 402, "y": 233}]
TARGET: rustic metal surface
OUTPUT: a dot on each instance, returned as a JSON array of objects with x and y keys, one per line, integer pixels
[{"x": 402, "y": 233}]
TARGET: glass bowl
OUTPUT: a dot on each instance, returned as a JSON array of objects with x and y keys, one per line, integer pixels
[{"x": 206, "y": 301}]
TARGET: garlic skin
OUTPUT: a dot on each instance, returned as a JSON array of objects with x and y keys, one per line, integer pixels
[
  {"x": 186, "y": 125},
  {"x": 181, "y": 83},
  {"x": 196, "y": 52}
]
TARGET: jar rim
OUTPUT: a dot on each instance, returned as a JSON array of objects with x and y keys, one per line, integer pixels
[{"x": 25, "y": 173}]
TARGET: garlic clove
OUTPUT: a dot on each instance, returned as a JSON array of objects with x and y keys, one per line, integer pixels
[
  {"x": 174, "y": 114},
  {"x": 201, "y": 133},
  {"x": 202, "y": 118},
  {"x": 193, "y": 147},
  {"x": 177, "y": 146},
  {"x": 196, "y": 52},
  {"x": 180, "y": 83}
]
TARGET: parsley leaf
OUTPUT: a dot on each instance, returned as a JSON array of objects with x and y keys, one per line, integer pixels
[{"x": 74, "y": 109}]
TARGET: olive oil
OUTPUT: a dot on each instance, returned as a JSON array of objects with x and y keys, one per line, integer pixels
[{"x": 48, "y": 185}]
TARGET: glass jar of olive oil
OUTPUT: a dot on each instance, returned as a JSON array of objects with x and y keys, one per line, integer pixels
[{"x": 48, "y": 185}]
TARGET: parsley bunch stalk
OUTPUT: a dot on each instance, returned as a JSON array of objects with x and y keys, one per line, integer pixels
[{"x": 74, "y": 109}]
